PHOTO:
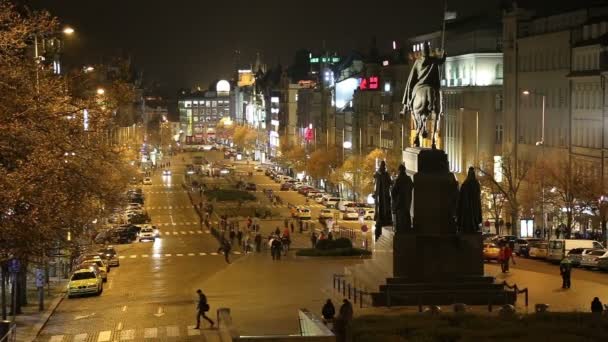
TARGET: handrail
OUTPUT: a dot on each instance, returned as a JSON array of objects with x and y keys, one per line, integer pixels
[
  {"x": 348, "y": 291},
  {"x": 11, "y": 334},
  {"x": 517, "y": 290}
]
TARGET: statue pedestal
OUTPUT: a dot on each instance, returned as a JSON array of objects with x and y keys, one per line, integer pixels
[{"x": 433, "y": 263}]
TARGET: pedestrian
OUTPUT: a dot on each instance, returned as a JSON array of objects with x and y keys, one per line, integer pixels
[
  {"x": 275, "y": 248},
  {"x": 239, "y": 236},
  {"x": 225, "y": 247},
  {"x": 328, "y": 311},
  {"x": 301, "y": 225},
  {"x": 277, "y": 231},
  {"x": 342, "y": 325},
  {"x": 258, "y": 242},
  {"x": 232, "y": 236},
  {"x": 292, "y": 227},
  {"x": 565, "y": 269},
  {"x": 202, "y": 308},
  {"x": 596, "y": 306},
  {"x": 508, "y": 255},
  {"x": 330, "y": 236},
  {"x": 313, "y": 239}
]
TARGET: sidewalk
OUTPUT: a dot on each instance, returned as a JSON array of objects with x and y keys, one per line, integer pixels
[{"x": 32, "y": 321}]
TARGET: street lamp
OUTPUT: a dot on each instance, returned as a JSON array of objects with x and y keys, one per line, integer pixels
[
  {"x": 101, "y": 91},
  {"x": 541, "y": 143},
  {"x": 462, "y": 109},
  {"x": 68, "y": 30}
]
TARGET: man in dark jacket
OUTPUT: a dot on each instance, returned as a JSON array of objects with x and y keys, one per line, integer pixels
[
  {"x": 202, "y": 308},
  {"x": 565, "y": 269},
  {"x": 328, "y": 311},
  {"x": 596, "y": 306}
]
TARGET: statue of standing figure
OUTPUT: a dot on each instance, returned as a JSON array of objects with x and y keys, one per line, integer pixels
[
  {"x": 382, "y": 198},
  {"x": 401, "y": 197},
  {"x": 469, "y": 204},
  {"x": 422, "y": 95}
]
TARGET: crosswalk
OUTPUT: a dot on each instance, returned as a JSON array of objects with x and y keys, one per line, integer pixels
[
  {"x": 172, "y": 332},
  {"x": 170, "y": 207},
  {"x": 184, "y": 232},
  {"x": 169, "y": 255},
  {"x": 166, "y": 192},
  {"x": 168, "y": 224}
]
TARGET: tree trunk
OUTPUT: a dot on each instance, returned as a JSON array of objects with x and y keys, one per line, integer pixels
[{"x": 604, "y": 221}]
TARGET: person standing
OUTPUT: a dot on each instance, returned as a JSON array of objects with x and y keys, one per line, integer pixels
[
  {"x": 596, "y": 306},
  {"x": 313, "y": 239},
  {"x": 202, "y": 308},
  {"x": 328, "y": 311},
  {"x": 565, "y": 269},
  {"x": 508, "y": 254},
  {"x": 239, "y": 236},
  {"x": 292, "y": 227},
  {"x": 258, "y": 242}
]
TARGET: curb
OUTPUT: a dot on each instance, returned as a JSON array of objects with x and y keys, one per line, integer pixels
[{"x": 35, "y": 330}]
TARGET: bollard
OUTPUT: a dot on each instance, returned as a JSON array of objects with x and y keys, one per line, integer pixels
[
  {"x": 348, "y": 290},
  {"x": 541, "y": 308},
  {"x": 344, "y": 287}
]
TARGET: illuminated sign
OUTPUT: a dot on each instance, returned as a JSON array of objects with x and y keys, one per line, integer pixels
[
  {"x": 370, "y": 83},
  {"x": 324, "y": 60}
]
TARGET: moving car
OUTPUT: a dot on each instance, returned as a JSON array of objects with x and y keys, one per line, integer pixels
[
  {"x": 331, "y": 202},
  {"x": 350, "y": 213},
  {"x": 559, "y": 248},
  {"x": 303, "y": 213},
  {"x": 166, "y": 172},
  {"x": 97, "y": 266},
  {"x": 147, "y": 234},
  {"x": 259, "y": 168},
  {"x": 85, "y": 281},
  {"x": 491, "y": 251},
  {"x": 538, "y": 250},
  {"x": 602, "y": 263},
  {"x": 286, "y": 186},
  {"x": 326, "y": 213},
  {"x": 592, "y": 258},
  {"x": 343, "y": 204},
  {"x": 147, "y": 181}
]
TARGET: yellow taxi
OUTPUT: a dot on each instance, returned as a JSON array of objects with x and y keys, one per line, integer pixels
[
  {"x": 85, "y": 281},
  {"x": 491, "y": 251}
]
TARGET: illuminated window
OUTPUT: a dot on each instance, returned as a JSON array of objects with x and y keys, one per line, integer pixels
[{"x": 387, "y": 87}]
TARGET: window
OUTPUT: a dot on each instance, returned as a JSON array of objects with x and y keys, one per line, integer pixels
[
  {"x": 499, "y": 71},
  {"x": 499, "y": 134},
  {"x": 498, "y": 102}
]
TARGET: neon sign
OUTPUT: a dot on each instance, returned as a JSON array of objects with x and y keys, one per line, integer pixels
[{"x": 370, "y": 83}]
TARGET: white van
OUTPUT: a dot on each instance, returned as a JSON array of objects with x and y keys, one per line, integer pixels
[
  {"x": 331, "y": 202},
  {"x": 559, "y": 248}
]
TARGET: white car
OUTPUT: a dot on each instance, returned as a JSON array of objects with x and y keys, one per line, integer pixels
[
  {"x": 259, "y": 168},
  {"x": 303, "y": 213},
  {"x": 350, "y": 214},
  {"x": 326, "y": 213},
  {"x": 591, "y": 259},
  {"x": 369, "y": 214},
  {"x": 331, "y": 202},
  {"x": 319, "y": 199},
  {"x": 147, "y": 181},
  {"x": 166, "y": 172},
  {"x": 147, "y": 234},
  {"x": 342, "y": 205}
]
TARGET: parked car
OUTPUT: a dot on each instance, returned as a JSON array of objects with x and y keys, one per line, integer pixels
[
  {"x": 538, "y": 250},
  {"x": 559, "y": 248},
  {"x": 110, "y": 256},
  {"x": 351, "y": 213},
  {"x": 602, "y": 263},
  {"x": 575, "y": 255},
  {"x": 96, "y": 265},
  {"x": 305, "y": 189},
  {"x": 85, "y": 281},
  {"x": 491, "y": 251},
  {"x": 342, "y": 205},
  {"x": 522, "y": 246},
  {"x": 147, "y": 181},
  {"x": 286, "y": 186},
  {"x": 369, "y": 214},
  {"x": 591, "y": 259},
  {"x": 331, "y": 202}
]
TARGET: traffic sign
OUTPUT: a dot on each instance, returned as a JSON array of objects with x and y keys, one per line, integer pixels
[
  {"x": 364, "y": 228},
  {"x": 39, "y": 277},
  {"x": 14, "y": 265}
]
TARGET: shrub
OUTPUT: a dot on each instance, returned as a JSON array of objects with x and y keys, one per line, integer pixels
[
  {"x": 333, "y": 244},
  {"x": 224, "y": 195},
  {"x": 314, "y": 252}
]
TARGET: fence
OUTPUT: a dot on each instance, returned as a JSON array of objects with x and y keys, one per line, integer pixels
[
  {"x": 517, "y": 291},
  {"x": 10, "y": 335},
  {"x": 349, "y": 291}
]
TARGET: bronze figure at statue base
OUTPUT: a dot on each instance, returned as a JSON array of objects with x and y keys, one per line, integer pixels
[{"x": 435, "y": 261}]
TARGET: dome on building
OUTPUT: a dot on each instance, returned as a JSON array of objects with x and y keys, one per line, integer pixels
[{"x": 222, "y": 86}]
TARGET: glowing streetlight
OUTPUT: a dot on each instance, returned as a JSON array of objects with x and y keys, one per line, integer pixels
[
  {"x": 88, "y": 69},
  {"x": 68, "y": 30},
  {"x": 101, "y": 91}
]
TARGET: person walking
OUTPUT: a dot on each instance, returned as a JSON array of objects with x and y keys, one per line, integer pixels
[
  {"x": 201, "y": 309},
  {"x": 292, "y": 227},
  {"x": 565, "y": 269},
  {"x": 275, "y": 248},
  {"x": 501, "y": 258},
  {"x": 225, "y": 248},
  {"x": 328, "y": 311},
  {"x": 508, "y": 254},
  {"x": 342, "y": 325},
  {"x": 258, "y": 242},
  {"x": 596, "y": 306},
  {"x": 232, "y": 236},
  {"x": 239, "y": 236},
  {"x": 313, "y": 239}
]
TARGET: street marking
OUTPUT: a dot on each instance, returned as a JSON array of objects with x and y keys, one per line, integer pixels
[
  {"x": 127, "y": 335},
  {"x": 133, "y": 256},
  {"x": 80, "y": 337},
  {"x": 190, "y": 254},
  {"x": 150, "y": 332},
  {"x": 172, "y": 331},
  {"x": 121, "y": 257},
  {"x": 201, "y": 253},
  {"x": 156, "y": 255},
  {"x": 144, "y": 255},
  {"x": 104, "y": 336},
  {"x": 124, "y": 308},
  {"x": 183, "y": 233},
  {"x": 199, "y": 231},
  {"x": 236, "y": 252},
  {"x": 192, "y": 331},
  {"x": 119, "y": 326},
  {"x": 167, "y": 254},
  {"x": 56, "y": 338},
  {"x": 213, "y": 253},
  {"x": 208, "y": 231},
  {"x": 179, "y": 254},
  {"x": 191, "y": 232}
]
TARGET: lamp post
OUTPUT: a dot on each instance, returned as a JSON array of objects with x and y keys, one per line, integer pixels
[
  {"x": 541, "y": 143},
  {"x": 462, "y": 109}
]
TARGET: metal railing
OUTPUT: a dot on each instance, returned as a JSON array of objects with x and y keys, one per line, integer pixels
[
  {"x": 349, "y": 291},
  {"x": 517, "y": 291},
  {"x": 11, "y": 335}
]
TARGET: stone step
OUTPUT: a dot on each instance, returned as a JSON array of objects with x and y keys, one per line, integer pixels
[
  {"x": 464, "y": 279},
  {"x": 455, "y": 286},
  {"x": 444, "y": 297}
]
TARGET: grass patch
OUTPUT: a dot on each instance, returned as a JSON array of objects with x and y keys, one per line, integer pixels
[
  {"x": 315, "y": 252},
  {"x": 227, "y": 195},
  {"x": 469, "y": 327}
]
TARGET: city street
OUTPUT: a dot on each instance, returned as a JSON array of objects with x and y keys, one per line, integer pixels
[{"x": 152, "y": 293}]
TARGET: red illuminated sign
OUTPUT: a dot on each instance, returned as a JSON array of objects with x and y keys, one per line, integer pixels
[{"x": 370, "y": 83}]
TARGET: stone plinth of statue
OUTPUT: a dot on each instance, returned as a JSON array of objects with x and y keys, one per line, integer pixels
[{"x": 433, "y": 263}]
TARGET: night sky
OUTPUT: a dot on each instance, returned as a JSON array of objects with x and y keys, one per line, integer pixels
[{"x": 182, "y": 43}]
